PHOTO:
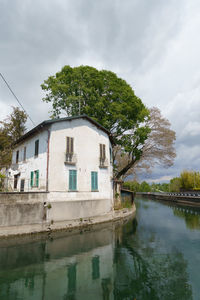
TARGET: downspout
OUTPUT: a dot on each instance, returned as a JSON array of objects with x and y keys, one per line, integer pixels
[{"x": 47, "y": 175}]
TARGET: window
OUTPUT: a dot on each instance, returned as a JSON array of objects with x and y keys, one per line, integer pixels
[
  {"x": 16, "y": 178},
  {"x": 111, "y": 157},
  {"x": 72, "y": 180},
  {"x": 70, "y": 157},
  {"x": 22, "y": 185},
  {"x": 70, "y": 145},
  {"x": 103, "y": 162},
  {"x": 17, "y": 156},
  {"x": 94, "y": 181},
  {"x": 24, "y": 158},
  {"x": 102, "y": 151},
  {"x": 36, "y": 148},
  {"x": 34, "y": 178}
]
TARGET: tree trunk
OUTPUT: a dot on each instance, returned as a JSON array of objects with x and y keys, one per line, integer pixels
[{"x": 125, "y": 169}]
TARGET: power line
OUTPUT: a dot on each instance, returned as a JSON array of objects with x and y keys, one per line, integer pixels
[{"x": 16, "y": 98}]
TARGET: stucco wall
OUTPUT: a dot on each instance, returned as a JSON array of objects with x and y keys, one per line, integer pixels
[
  {"x": 31, "y": 163},
  {"x": 87, "y": 138}
]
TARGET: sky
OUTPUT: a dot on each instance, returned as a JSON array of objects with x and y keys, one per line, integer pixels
[{"x": 154, "y": 45}]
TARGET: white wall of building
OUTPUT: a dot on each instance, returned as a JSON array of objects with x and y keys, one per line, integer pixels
[
  {"x": 87, "y": 138},
  {"x": 31, "y": 163}
]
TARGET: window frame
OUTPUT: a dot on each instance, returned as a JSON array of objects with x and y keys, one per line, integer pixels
[
  {"x": 94, "y": 181},
  {"x": 72, "y": 180},
  {"x": 36, "y": 148},
  {"x": 17, "y": 157},
  {"x": 24, "y": 154},
  {"x": 34, "y": 179},
  {"x": 69, "y": 145}
]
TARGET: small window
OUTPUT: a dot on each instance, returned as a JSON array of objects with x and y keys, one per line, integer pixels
[
  {"x": 16, "y": 178},
  {"x": 102, "y": 151},
  {"x": 69, "y": 145},
  {"x": 94, "y": 181},
  {"x": 111, "y": 157},
  {"x": 34, "y": 182},
  {"x": 36, "y": 148},
  {"x": 72, "y": 180},
  {"x": 24, "y": 157},
  {"x": 22, "y": 185},
  {"x": 17, "y": 156}
]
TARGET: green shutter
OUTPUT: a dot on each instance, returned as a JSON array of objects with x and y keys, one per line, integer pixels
[
  {"x": 37, "y": 178},
  {"x": 94, "y": 181},
  {"x": 72, "y": 180},
  {"x": 31, "y": 183}
]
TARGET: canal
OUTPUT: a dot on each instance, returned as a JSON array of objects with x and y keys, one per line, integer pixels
[{"x": 155, "y": 255}]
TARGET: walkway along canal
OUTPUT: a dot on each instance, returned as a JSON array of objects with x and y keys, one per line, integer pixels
[{"x": 155, "y": 255}]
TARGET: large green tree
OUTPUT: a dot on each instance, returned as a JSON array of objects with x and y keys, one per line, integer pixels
[
  {"x": 107, "y": 99},
  {"x": 11, "y": 129}
]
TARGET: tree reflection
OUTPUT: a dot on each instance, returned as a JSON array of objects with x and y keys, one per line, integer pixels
[
  {"x": 190, "y": 215},
  {"x": 145, "y": 274}
]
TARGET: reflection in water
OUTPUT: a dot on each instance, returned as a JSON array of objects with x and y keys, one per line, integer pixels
[
  {"x": 190, "y": 215},
  {"x": 112, "y": 261},
  {"x": 71, "y": 281},
  {"x": 95, "y": 267}
]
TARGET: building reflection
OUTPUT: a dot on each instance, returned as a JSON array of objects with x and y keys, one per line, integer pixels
[
  {"x": 109, "y": 262},
  {"x": 64, "y": 266}
]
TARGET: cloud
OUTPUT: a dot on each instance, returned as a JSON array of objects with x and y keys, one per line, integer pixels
[{"x": 154, "y": 45}]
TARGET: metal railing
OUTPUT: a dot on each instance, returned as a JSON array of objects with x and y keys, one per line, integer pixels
[
  {"x": 103, "y": 162},
  {"x": 184, "y": 194},
  {"x": 70, "y": 158}
]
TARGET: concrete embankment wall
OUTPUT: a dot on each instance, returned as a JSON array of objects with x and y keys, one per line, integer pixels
[
  {"x": 22, "y": 208},
  {"x": 187, "y": 200},
  {"x": 35, "y": 212}
]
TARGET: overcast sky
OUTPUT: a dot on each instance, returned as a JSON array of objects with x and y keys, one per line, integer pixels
[{"x": 153, "y": 44}]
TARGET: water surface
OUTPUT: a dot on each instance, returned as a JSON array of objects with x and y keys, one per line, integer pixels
[{"x": 155, "y": 255}]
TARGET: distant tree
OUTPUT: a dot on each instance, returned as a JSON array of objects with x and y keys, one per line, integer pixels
[
  {"x": 144, "y": 187},
  {"x": 12, "y": 128},
  {"x": 175, "y": 185},
  {"x": 132, "y": 185},
  {"x": 187, "y": 180},
  {"x": 158, "y": 148},
  {"x": 107, "y": 99}
]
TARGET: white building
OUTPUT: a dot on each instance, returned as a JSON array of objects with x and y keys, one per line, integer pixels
[{"x": 69, "y": 158}]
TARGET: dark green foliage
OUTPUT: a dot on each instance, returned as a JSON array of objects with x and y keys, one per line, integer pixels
[
  {"x": 145, "y": 187},
  {"x": 175, "y": 184},
  {"x": 104, "y": 97},
  {"x": 132, "y": 185},
  {"x": 12, "y": 128}
]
